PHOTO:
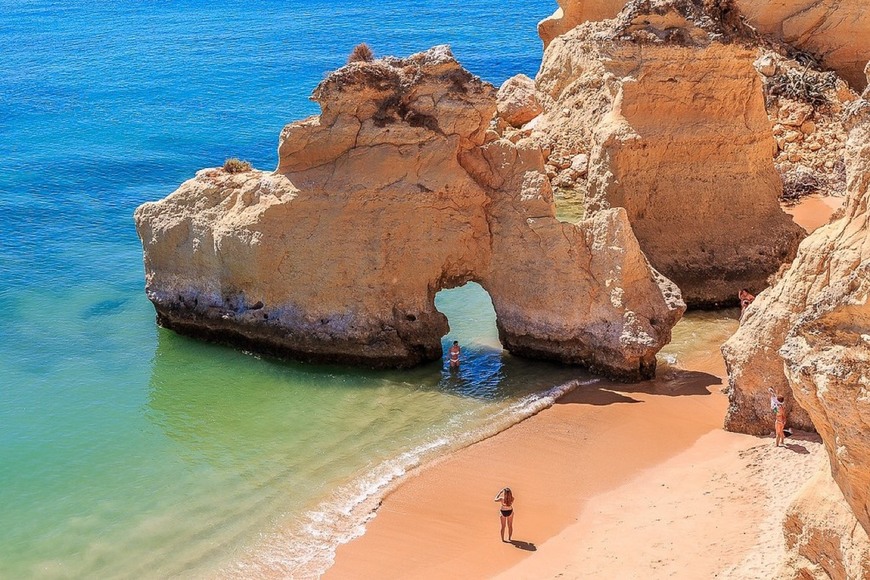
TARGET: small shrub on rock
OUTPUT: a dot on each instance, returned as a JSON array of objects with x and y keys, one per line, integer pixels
[
  {"x": 806, "y": 85},
  {"x": 234, "y": 165},
  {"x": 361, "y": 53}
]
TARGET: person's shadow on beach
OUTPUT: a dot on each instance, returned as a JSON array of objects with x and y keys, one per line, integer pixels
[
  {"x": 527, "y": 546},
  {"x": 796, "y": 448}
]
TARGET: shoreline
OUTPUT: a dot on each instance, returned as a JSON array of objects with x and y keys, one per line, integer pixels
[
  {"x": 440, "y": 521},
  {"x": 596, "y": 476},
  {"x": 598, "y": 443}
]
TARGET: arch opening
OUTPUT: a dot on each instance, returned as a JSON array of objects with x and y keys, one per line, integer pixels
[{"x": 471, "y": 320}]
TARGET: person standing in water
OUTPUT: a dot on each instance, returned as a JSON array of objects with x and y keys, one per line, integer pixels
[
  {"x": 453, "y": 355},
  {"x": 506, "y": 509}
]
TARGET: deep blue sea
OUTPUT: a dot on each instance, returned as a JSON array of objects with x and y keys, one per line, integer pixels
[{"x": 127, "y": 451}]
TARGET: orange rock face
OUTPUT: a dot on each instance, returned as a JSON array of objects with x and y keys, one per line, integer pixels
[
  {"x": 392, "y": 193},
  {"x": 837, "y": 32},
  {"x": 827, "y": 350},
  {"x": 572, "y": 13},
  {"x": 809, "y": 303},
  {"x": 822, "y": 538},
  {"x": 672, "y": 118}
]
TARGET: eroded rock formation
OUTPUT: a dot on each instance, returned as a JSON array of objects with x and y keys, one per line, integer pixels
[
  {"x": 828, "y": 272},
  {"x": 805, "y": 108},
  {"x": 827, "y": 350},
  {"x": 392, "y": 193},
  {"x": 671, "y": 115},
  {"x": 822, "y": 538},
  {"x": 572, "y": 13},
  {"x": 517, "y": 101},
  {"x": 836, "y": 32}
]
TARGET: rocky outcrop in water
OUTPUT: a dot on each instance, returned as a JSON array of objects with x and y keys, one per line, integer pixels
[
  {"x": 671, "y": 116},
  {"x": 394, "y": 192}
]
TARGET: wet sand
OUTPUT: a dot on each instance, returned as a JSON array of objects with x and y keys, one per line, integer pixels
[
  {"x": 613, "y": 481},
  {"x": 814, "y": 211}
]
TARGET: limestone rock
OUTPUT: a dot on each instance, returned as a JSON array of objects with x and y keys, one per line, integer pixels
[
  {"x": 823, "y": 540},
  {"x": 805, "y": 159},
  {"x": 835, "y": 31},
  {"x": 517, "y": 102},
  {"x": 394, "y": 192},
  {"x": 811, "y": 296},
  {"x": 580, "y": 165},
  {"x": 827, "y": 355},
  {"x": 572, "y": 13},
  {"x": 827, "y": 364},
  {"x": 766, "y": 65},
  {"x": 673, "y": 120},
  {"x": 594, "y": 311}
]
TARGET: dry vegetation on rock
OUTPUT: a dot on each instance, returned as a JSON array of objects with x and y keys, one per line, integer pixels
[
  {"x": 361, "y": 53},
  {"x": 235, "y": 165}
]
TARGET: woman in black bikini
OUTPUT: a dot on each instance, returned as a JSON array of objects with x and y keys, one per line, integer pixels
[{"x": 506, "y": 497}]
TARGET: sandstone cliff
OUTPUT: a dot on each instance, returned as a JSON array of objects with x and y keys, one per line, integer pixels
[
  {"x": 826, "y": 275},
  {"x": 822, "y": 538},
  {"x": 671, "y": 117},
  {"x": 835, "y": 32},
  {"x": 827, "y": 350},
  {"x": 392, "y": 193}
]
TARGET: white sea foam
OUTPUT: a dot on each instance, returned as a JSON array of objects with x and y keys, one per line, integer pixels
[{"x": 306, "y": 547}]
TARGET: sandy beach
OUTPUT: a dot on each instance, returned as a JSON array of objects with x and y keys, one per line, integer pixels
[{"x": 612, "y": 481}]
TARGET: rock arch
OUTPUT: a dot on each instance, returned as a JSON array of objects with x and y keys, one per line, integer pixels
[{"x": 393, "y": 192}]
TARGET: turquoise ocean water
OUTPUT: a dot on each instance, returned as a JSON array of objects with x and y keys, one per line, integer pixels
[{"x": 127, "y": 451}]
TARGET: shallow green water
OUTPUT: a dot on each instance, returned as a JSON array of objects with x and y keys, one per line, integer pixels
[{"x": 123, "y": 463}]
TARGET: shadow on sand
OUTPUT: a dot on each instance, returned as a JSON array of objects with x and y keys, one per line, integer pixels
[
  {"x": 673, "y": 382},
  {"x": 796, "y": 448},
  {"x": 527, "y": 546}
]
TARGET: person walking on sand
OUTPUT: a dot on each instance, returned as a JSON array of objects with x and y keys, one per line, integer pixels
[
  {"x": 453, "y": 355},
  {"x": 506, "y": 509}
]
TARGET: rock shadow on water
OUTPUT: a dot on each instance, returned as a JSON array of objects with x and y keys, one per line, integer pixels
[
  {"x": 105, "y": 307},
  {"x": 224, "y": 402},
  {"x": 488, "y": 372}
]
